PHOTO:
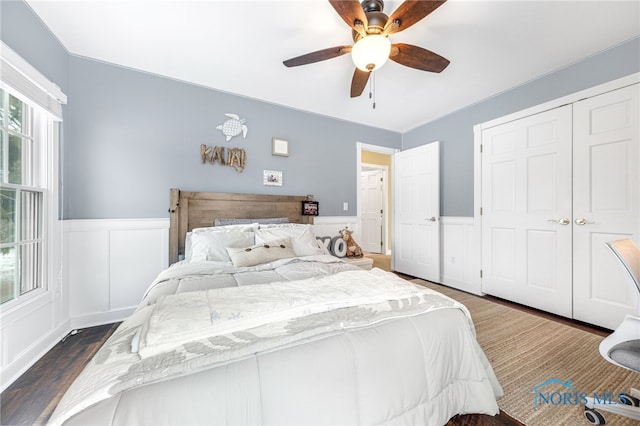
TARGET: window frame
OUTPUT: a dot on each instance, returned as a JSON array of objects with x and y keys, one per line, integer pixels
[{"x": 45, "y": 180}]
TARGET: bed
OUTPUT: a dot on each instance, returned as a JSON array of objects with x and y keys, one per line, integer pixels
[{"x": 258, "y": 324}]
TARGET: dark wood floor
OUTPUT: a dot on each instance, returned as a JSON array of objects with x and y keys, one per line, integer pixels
[{"x": 34, "y": 396}]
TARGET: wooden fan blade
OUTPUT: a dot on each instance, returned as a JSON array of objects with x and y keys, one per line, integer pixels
[
  {"x": 317, "y": 56},
  {"x": 410, "y": 12},
  {"x": 359, "y": 82},
  {"x": 417, "y": 57},
  {"x": 351, "y": 12}
]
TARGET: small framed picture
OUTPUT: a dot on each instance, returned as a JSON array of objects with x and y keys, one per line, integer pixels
[
  {"x": 272, "y": 177},
  {"x": 310, "y": 208},
  {"x": 280, "y": 147}
]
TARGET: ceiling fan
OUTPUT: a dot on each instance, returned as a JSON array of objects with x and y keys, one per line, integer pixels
[{"x": 371, "y": 29}]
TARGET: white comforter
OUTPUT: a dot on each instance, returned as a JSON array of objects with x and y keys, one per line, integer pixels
[
  {"x": 196, "y": 340},
  {"x": 181, "y": 318}
]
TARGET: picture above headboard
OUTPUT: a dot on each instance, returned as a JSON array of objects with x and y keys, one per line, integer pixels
[{"x": 189, "y": 210}]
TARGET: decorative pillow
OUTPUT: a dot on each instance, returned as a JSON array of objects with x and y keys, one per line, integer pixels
[
  {"x": 212, "y": 245},
  {"x": 258, "y": 254},
  {"x": 302, "y": 238},
  {"x": 223, "y": 222},
  {"x": 187, "y": 243}
]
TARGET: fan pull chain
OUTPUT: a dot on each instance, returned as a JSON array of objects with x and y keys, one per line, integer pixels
[{"x": 372, "y": 88}]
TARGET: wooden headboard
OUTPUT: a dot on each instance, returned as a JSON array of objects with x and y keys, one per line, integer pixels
[{"x": 188, "y": 210}]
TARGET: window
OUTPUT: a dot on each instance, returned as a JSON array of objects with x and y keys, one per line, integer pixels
[
  {"x": 22, "y": 194},
  {"x": 30, "y": 228}
]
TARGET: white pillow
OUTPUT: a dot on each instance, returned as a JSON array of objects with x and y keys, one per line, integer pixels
[
  {"x": 258, "y": 254},
  {"x": 302, "y": 238},
  {"x": 187, "y": 243},
  {"x": 212, "y": 245}
]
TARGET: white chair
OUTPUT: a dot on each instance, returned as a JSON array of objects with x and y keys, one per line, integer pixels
[{"x": 622, "y": 347}]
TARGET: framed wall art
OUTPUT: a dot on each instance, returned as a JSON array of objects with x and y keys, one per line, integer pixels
[
  {"x": 310, "y": 208},
  {"x": 272, "y": 177},
  {"x": 280, "y": 147}
]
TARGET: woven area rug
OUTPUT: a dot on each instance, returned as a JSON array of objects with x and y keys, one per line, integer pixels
[{"x": 529, "y": 352}]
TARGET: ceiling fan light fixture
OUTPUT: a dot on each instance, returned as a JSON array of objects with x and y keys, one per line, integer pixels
[{"x": 371, "y": 52}]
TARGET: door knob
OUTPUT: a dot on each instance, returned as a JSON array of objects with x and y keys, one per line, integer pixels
[
  {"x": 563, "y": 221},
  {"x": 583, "y": 221},
  {"x": 432, "y": 219}
]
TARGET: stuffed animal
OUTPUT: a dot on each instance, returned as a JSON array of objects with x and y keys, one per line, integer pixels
[{"x": 353, "y": 249}]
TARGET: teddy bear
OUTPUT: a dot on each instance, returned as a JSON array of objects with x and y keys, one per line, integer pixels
[{"x": 353, "y": 249}]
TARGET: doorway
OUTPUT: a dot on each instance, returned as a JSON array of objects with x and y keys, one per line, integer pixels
[{"x": 374, "y": 157}]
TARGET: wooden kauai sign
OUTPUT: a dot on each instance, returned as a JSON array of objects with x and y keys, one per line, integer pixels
[{"x": 232, "y": 157}]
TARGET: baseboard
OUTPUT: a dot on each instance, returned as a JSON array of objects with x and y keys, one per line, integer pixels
[{"x": 101, "y": 318}]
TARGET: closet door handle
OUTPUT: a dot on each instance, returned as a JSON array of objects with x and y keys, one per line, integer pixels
[
  {"x": 583, "y": 221},
  {"x": 563, "y": 221},
  {"x": 432, "y": 219}
]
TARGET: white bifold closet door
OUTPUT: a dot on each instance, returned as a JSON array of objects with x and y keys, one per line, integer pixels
[
  {"x": 606, "y": 203},
  {"x": 526, "y": 218},
  {"x": 555, "y": 187}
]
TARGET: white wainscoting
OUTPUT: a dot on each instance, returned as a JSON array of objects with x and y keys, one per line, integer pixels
[
  {"x": 26, "y": 334},
  {"x": 460, "y": 266},
  {"x": 330, "y": 226},
  {"x": 110, "y": 263}
]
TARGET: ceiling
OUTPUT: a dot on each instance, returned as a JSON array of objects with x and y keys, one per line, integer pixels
[{"x": 238, "y": 47}]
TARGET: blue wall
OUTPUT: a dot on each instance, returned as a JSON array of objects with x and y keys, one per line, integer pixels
[
  {"x": 130, "y": 136},
  {"x": 455, "y": 131}
]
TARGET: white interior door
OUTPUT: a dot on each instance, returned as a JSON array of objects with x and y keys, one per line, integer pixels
[
  {"x": 372, "y": 192},
  {"x": 526, "y": 211},
  {"x": 416, "y": 247},
  {"x": 606, "y": 203}
]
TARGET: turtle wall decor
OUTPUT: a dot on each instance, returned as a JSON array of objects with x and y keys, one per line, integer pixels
[{"x": 233, "y": 126}]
